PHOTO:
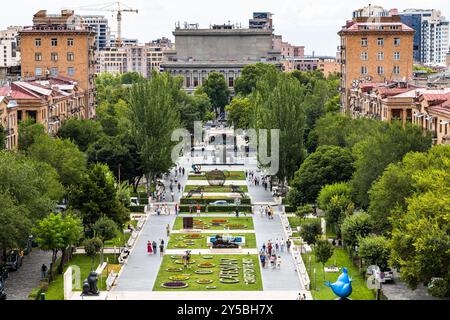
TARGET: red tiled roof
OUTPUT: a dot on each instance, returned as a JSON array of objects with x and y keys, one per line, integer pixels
[{"x": 16, "y": 93}]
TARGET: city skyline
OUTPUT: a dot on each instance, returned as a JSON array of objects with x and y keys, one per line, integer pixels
[{"x": 298, "y": 23}]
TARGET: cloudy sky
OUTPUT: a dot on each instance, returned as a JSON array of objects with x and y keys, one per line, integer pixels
[{"x": 312, "y": 23}]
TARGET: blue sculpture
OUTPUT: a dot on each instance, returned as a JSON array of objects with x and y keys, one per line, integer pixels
[{"x": 343, "y": 285}]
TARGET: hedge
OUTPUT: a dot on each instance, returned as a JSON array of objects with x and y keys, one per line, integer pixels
[
  {"x": 243, "y": 208},
  {"x": 289, "y": 208},
  {"x": 209, "y": 200},
  {"x": 137, "y": 208}
]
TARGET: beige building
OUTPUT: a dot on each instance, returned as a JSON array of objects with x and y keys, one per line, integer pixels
[
  {"x": 60, "y": 45},
  {"x": 48, "y": 101},
  {"x": 327, "y": 65},
  {"x": 374, "y": 48}
]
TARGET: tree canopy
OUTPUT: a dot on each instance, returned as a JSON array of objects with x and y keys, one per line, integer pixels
[{"x": 217, "y": 90}]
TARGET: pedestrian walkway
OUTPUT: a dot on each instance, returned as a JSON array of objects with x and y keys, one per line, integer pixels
[
  {"x": 141, "y": 269},
  {"x": 20, "y": 283}
]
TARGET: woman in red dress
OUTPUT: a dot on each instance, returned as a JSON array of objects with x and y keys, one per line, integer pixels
[{"x": 149, "y": 247}]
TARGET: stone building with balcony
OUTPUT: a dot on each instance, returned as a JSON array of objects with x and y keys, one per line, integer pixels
[{"x": 48, "y": 101}]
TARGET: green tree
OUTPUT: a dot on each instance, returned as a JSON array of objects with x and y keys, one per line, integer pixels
[
  {"x": 277, "y": 101},
  {"x": 250, "y": 75},
  {"x": 420, "y": 233},
  {"x": 2, "y": 137},
  {"x": 58, "y": 232},
  {"x": 240, "y": 113},
  {"x": 339, "y": 207},
  {"x": 92, "y": 247},
  {"x": 82, "y": 132},
  {"x": 310, "y": 231},
  {"x": 330, "y": 190},
  {"x": 29, "y": 130},
  {"x": 154, "y": 117},
  {"x": 105, "y": 229},
  {"x": 323, "y": 251},
  {"x": 63, "y": 155},
  {"x": 375, "y": 153},
  {"x": 391, "y": 190},
  {"x": 217, "y": 90},
  {"x": 354, "y": 227},
  {"x": 303, "y": 211},
  {"x": 193, "y": 108},
  {"x": 96, "y": 196},
  {"x": 328, "y": 164},
  {"x": 374, "y": 250}
]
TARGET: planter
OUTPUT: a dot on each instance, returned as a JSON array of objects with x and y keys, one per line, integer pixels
[
  {"x": 203, "y": 271},
  {"x": 229, "y": 280},
  {"x": 204, "y": 281},
  {"x": 193, "y": 236},
  {"x": 211, "y": 287},
  {"x": 181, "y": 261},
  {"x": 174, "y": 269},
  {"x": 206, "y": 265},
  {"x": 179, "y": 278},
  {"x": 174, "y": 285}
]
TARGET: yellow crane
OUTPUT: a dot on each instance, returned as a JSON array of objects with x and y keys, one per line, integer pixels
[{"x": 116, "y": 7}]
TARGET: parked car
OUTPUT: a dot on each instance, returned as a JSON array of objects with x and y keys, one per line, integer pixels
[
  {"x": 388, "y": 275},
  {"x": 219, "y": 203},
  {"x": 2, "y": 289},
  {"x": 14, "y": 260},
  {"x": 134, "y": 201}
]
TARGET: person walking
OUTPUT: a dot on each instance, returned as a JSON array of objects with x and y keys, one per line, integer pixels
[
  {"x": 176, "y": 209},
  {"x": 173, "y": 196},
  {"x": 262, "y": 258},
  {"x": 198, "y": 209},
  {"x": 190, "y": 208},
  {"x": 43, "y": 271},
  {"x": 279, "y": 262},
  {"x": 288, "y": 245},
  {"x": 269, "y": 248},
  {"x": 282, "y": 244},
  {"x": 168, "y": 230},
  {"x": 149, "y": 247},
  {"x": 161, "y": 249},
  {"x": 154, "y": 246}
]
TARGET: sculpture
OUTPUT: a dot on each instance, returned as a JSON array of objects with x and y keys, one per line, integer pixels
[
  {"x": 216, "y": 177},
  {"x": 90, "y": 287},
  {"x": 343, "y": 285}
]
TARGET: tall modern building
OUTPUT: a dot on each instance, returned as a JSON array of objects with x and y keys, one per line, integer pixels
[
  {"x": 98, "y": 24},
  {"x": 261, "y": 20},
  {"x": 374, "y": 48},
  {"x": 9, "y": 47},
  {"x": 431, "y": 39}
]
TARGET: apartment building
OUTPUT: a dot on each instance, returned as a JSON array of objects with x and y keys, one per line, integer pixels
[
  {"x": 60, "y": 45},
  {"x": 431, "y": 39},
  {"x": 48, "y": 101},
  {"x": 400, "y": 101},
  {"x": 327, "y": 65},
  {"x": 99, "y": 25},
  {"x": 375, "y": 47},
  {"x": 287, "y": 50},
  {"x": 9, "y": 47}
]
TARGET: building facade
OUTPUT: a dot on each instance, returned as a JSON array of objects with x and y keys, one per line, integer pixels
[
  {"x": 9, "y": 47},
  {"x": 327, "y": 65},
  {"x": 226, "y": 49},
  {"x": 99, "y": 25},
  {"x": 374, "y": 49},
  {"x": 431, "y": 39},
  {"x": 48, "y": 101},
  {"x": 60, "y": 45}
]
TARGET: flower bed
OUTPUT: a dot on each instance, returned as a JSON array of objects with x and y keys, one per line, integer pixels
[
  {"x": 206, "y": 265},
  {"x": 235, "y": 226},
  {"x": 179, "y": 278},
  {"x": 174, "y": 285},
  {"x": 204, "y": 281},
  {"x": 174, "y": 269}
]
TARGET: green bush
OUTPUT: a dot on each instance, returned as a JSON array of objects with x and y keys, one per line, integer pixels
[
  {"x": 143, "y": 201},
  {"x": 289, "y": 209},
  {"x": 137, "y": 208},
  {"x": 438, "y": 287}
]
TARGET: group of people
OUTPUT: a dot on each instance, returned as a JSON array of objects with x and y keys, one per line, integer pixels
[
  {"x": 152, "y": 247},
  {"x": 266, "y": 210},
  {"x": 161, "y": 209},
  {"x": 269, "y": 254},
  {"x": 263, "y": 181}
]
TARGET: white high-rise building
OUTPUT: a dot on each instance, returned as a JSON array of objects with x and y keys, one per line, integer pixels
[
  {"x": 9, "y": 52},
  {"x": 431, "y": 40},
  {"x": 99, "y": 25}
]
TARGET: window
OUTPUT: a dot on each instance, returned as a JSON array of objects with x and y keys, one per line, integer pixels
[
  {"x": 364, "y": 42},
  {"x": 188, "y": 81},
  {"x": 70, "y": 42},
  {"x": 38, "y": 56},
  {"x": 54, "y": 42},
  {"x": 380, "y": 41},
  {"x": 38, "y": 72},
  {"x": 380, "y": 70},
  {"x": 396, "y": 70},
  {"x": 70, "y": 56},
  {"x": 396, "y": 55},
  {"x": 364, "y": 70},
  {"x": 71, "y": 71},
  {"x": 396, "y": 41},
  {"x": 364, "y": 56},
  {"x": 54, "y": 72},
  {"x": 37, "y": 42},
  {"x": 54, "y": 56},
  {"x": 230, "y": 81},
  {"x": 380, "y": 56}
]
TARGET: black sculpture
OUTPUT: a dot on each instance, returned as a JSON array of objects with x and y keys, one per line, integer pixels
[
  {"x": 199, "y": 190},
  {"x": 217, "y": 177},
  {"x": 219, "y": 243},
  {"x": 90, "y": 287}
]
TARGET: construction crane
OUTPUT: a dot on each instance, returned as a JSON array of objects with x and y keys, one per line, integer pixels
[{"x": 116, "y": 7}]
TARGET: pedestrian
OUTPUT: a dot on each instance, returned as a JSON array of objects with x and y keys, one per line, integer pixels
[
  {"x": 304, "y": 296},
  {"x": 237, "y": 213},
  {"x": 279, "y": 262},
  {"x": 299, "y": 297},
  {"x": 154, "y": 246},
  {"x": 168, "y": 230},
  {"x": 179, "y": 187},
  {"x": 262, "y": 258},
  {"x": 183, "y": 171},
  {"x": 149, "y": 247},
  {"x": 190, "y": 208},
  {"x": 264, "y": 247},
  {"x": 161, "y": 249},
  {"x": 282, "y": 244},
  {"x": 288, "y": 245},
  {"x": 277, "y": 245},
  {"x": 261, "y": 210},
  {"x": 173, "y": 196},
  {"x": 206, "y": 208},
  {"x": 176, "y": 209},
  {"x": 43, "y": 272},
  {"x": 198, "y": 209},
  {"x": 269, "y": 248}
]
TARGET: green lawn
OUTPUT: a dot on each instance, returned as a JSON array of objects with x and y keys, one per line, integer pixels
[
  {"x": 168, "y": 262},
  {"x": 119, "y": 241},
  {"x": 232, "y": 175},
  {"x": 178, "y": 241},
  {"x": 340, "y": 259},
  {"x": 295, "y": 222},
  {"x": 247, "y": 221},
  {"x": 56, "y": 288},
  {"x": 214, "y": 188}
]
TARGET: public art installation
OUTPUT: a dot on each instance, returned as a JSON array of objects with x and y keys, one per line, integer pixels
[
  {"x": 217, "y": 177},
  {"x": 90, "y": 287},
  {"x": 343, "y": 285},
  {"x": 196, "y": 168}
]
